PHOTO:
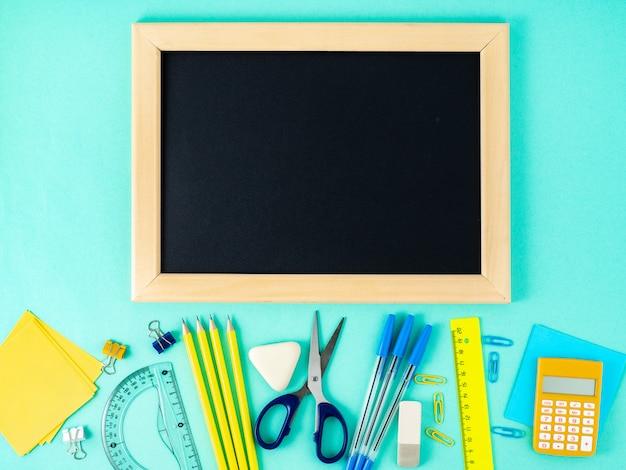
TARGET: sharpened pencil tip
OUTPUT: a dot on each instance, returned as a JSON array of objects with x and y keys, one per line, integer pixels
[
  {"x": 185, "y": 328},
  {"x": 229, "y": 325}
]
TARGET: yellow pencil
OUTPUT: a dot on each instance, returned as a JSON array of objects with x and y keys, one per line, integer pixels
[
  {"x": 227, "y": 393},
  {"x": 216, "y": 395},
  {"x": 204, "y": 398},
  {"x": 240, "y": 387}
]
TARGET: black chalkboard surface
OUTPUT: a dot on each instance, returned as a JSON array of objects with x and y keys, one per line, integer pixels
[{"x": 320, "y": 162}]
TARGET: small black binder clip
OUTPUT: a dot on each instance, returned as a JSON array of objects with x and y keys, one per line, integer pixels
[{"x": 163, "y": 340}]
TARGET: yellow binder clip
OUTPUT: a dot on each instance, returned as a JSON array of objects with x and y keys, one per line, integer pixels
[
  {"x": 438, "y": 407},
  {"x": 425, "y": 379},
  {"x": 439, "y": 437},
  {"x": 112, "y": 352}
]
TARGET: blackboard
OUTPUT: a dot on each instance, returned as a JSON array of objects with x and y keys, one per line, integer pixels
[
  {"x": 320, "y": 162},
  {"x": 368, "y": 164}
]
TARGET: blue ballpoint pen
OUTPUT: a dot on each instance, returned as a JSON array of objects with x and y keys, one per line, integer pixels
[
  {"x": 379, "y": 367},
  {"x": 413, "y": 361},
  {"x": 398, "y": 352}
]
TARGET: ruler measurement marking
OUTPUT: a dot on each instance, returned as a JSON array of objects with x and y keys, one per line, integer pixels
[
  {"x": 472, "y": 395},
  {"x": 132, "y": 386}
]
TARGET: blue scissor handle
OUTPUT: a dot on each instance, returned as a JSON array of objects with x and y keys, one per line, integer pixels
[
  {"x": 291, "y": 403},
  {"x": 324, "y": 411}
]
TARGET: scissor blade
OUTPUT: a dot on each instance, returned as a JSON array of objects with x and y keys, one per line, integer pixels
[
  {"x": 330, "y": 346},
  {"x": 315, "y": 364}
]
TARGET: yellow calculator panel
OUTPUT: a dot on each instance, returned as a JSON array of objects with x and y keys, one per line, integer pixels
[{"x": 567, "y": 406}]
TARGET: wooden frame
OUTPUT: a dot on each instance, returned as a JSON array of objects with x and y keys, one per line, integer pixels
[{"x": 490, "y": 40}]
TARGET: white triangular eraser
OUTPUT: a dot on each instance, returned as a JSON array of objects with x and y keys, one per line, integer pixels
[{"x": 276, "y": 362}]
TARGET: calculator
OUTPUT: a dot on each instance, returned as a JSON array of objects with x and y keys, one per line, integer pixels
[{"x": 567, "y": 406}]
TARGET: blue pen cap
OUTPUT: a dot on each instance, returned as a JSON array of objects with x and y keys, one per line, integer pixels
[
  {"x": 385, "y": 340},
  {"x": 403, "y": 338},
  {"x": 418, "y": 350}
]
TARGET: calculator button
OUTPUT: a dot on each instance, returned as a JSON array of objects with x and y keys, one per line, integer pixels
[
  {"x": 544, "y": 436},
  {"x": 561, "y": 403},
  {"x": 573, "y": 429},
  {"x": 588, "y": 421},
  {"x": 589, "y": 413},
  {"x": 572, "y": 438},
  {"x": 558, "y": 446},
  {"x": 586, "y": 444},
  {"x": 577, "y": 412},
  {"x": 545, "y": 419},
  {"x": 575, "y": 404},
  {"x": 561, "y": 411},
  {"x": 559, "y": 428},
  {"x": 550, "y": 403},
  {"x": 545, "y": 427},
  {"x": 543, "y": 445},
  {"x": 574, "y": 421},
  {"x": 590, "y": 406},
  {"x": 546, "y": 410},
  {"x": 571, "y": 446},
  {"x": 559, "y": 437},
  {"x": 587, "y": 430},
  {"x": 559, "y": 419}
]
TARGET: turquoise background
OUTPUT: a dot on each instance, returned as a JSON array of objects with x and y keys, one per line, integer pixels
[{"x": 65, "y": 214}]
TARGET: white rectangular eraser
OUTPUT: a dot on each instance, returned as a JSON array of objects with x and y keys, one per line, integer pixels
[{"x": 409, "y": 433}]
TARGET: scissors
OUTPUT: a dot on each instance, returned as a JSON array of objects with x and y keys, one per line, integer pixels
[{"x": 323, "y": 409}]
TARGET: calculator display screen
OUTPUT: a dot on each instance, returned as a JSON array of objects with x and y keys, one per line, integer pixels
[{"x": 569, "y": 386}]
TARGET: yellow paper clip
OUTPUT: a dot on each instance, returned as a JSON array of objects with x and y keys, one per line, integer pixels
[
  {"x": 112, "y": 352},
  {"x": 438, "y": 407},
  {"x": 425, "y": 379},
  {"x": 439, "y": 437},
  {"x": 73, "y": 437}
]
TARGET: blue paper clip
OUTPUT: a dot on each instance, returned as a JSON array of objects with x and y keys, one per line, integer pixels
[
  {"x": 508, "y": 432},
  {"x": 493, "y": 367},
  {"x": 163, "y": 340},
  {"x": 497, "y": 341}
]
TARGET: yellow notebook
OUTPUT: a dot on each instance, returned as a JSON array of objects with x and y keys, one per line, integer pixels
[{"x": 46, "y": 378}]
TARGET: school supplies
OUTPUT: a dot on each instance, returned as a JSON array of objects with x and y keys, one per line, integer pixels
[
  {"x": 172, "y": 420},
  {"x": 372, "y": 389},
  {"x": 546, "y": 342},
  {"x": 112, "y": 352},
  {"x": 162, "y": 340},
  {"x": 409, "y": 433},
  {"x": 227, "y": 395},
  {"x": 242, "y": 397},
  {"x": 208, "y": 366},
  {"x": 493, "y": 367},
  {"x": 397, "y": 353},
  {"x": 323, "y": 409},
  {"x": 276, "y": 362},
  {"x": 472, "y": 393},
  {"x": 497, "y": 341},
  {"x": 567, "y": 406},
  {"x": 426, "y": 379},
  {"x": 508, "y": 432},
  {"x": 440, "y": 437},
  {"x": 74, "y": 437},
  {"x": 438, "y": 408},
  {"x": 384, "y": 421},
  {"x": 203, "y": 395},
  {"x": 45, "y": 379}
]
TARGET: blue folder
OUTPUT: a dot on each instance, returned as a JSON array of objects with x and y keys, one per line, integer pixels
[{"x": 545, "y": 342}]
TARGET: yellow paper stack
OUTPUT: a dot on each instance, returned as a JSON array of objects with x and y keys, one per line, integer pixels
[{"x": 45, "y": 379}]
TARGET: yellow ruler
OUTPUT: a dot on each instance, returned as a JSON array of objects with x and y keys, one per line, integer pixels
[{"x": 472, "y": 393}]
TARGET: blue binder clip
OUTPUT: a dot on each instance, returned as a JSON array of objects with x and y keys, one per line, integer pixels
[{"x": 163, "y": 340}]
